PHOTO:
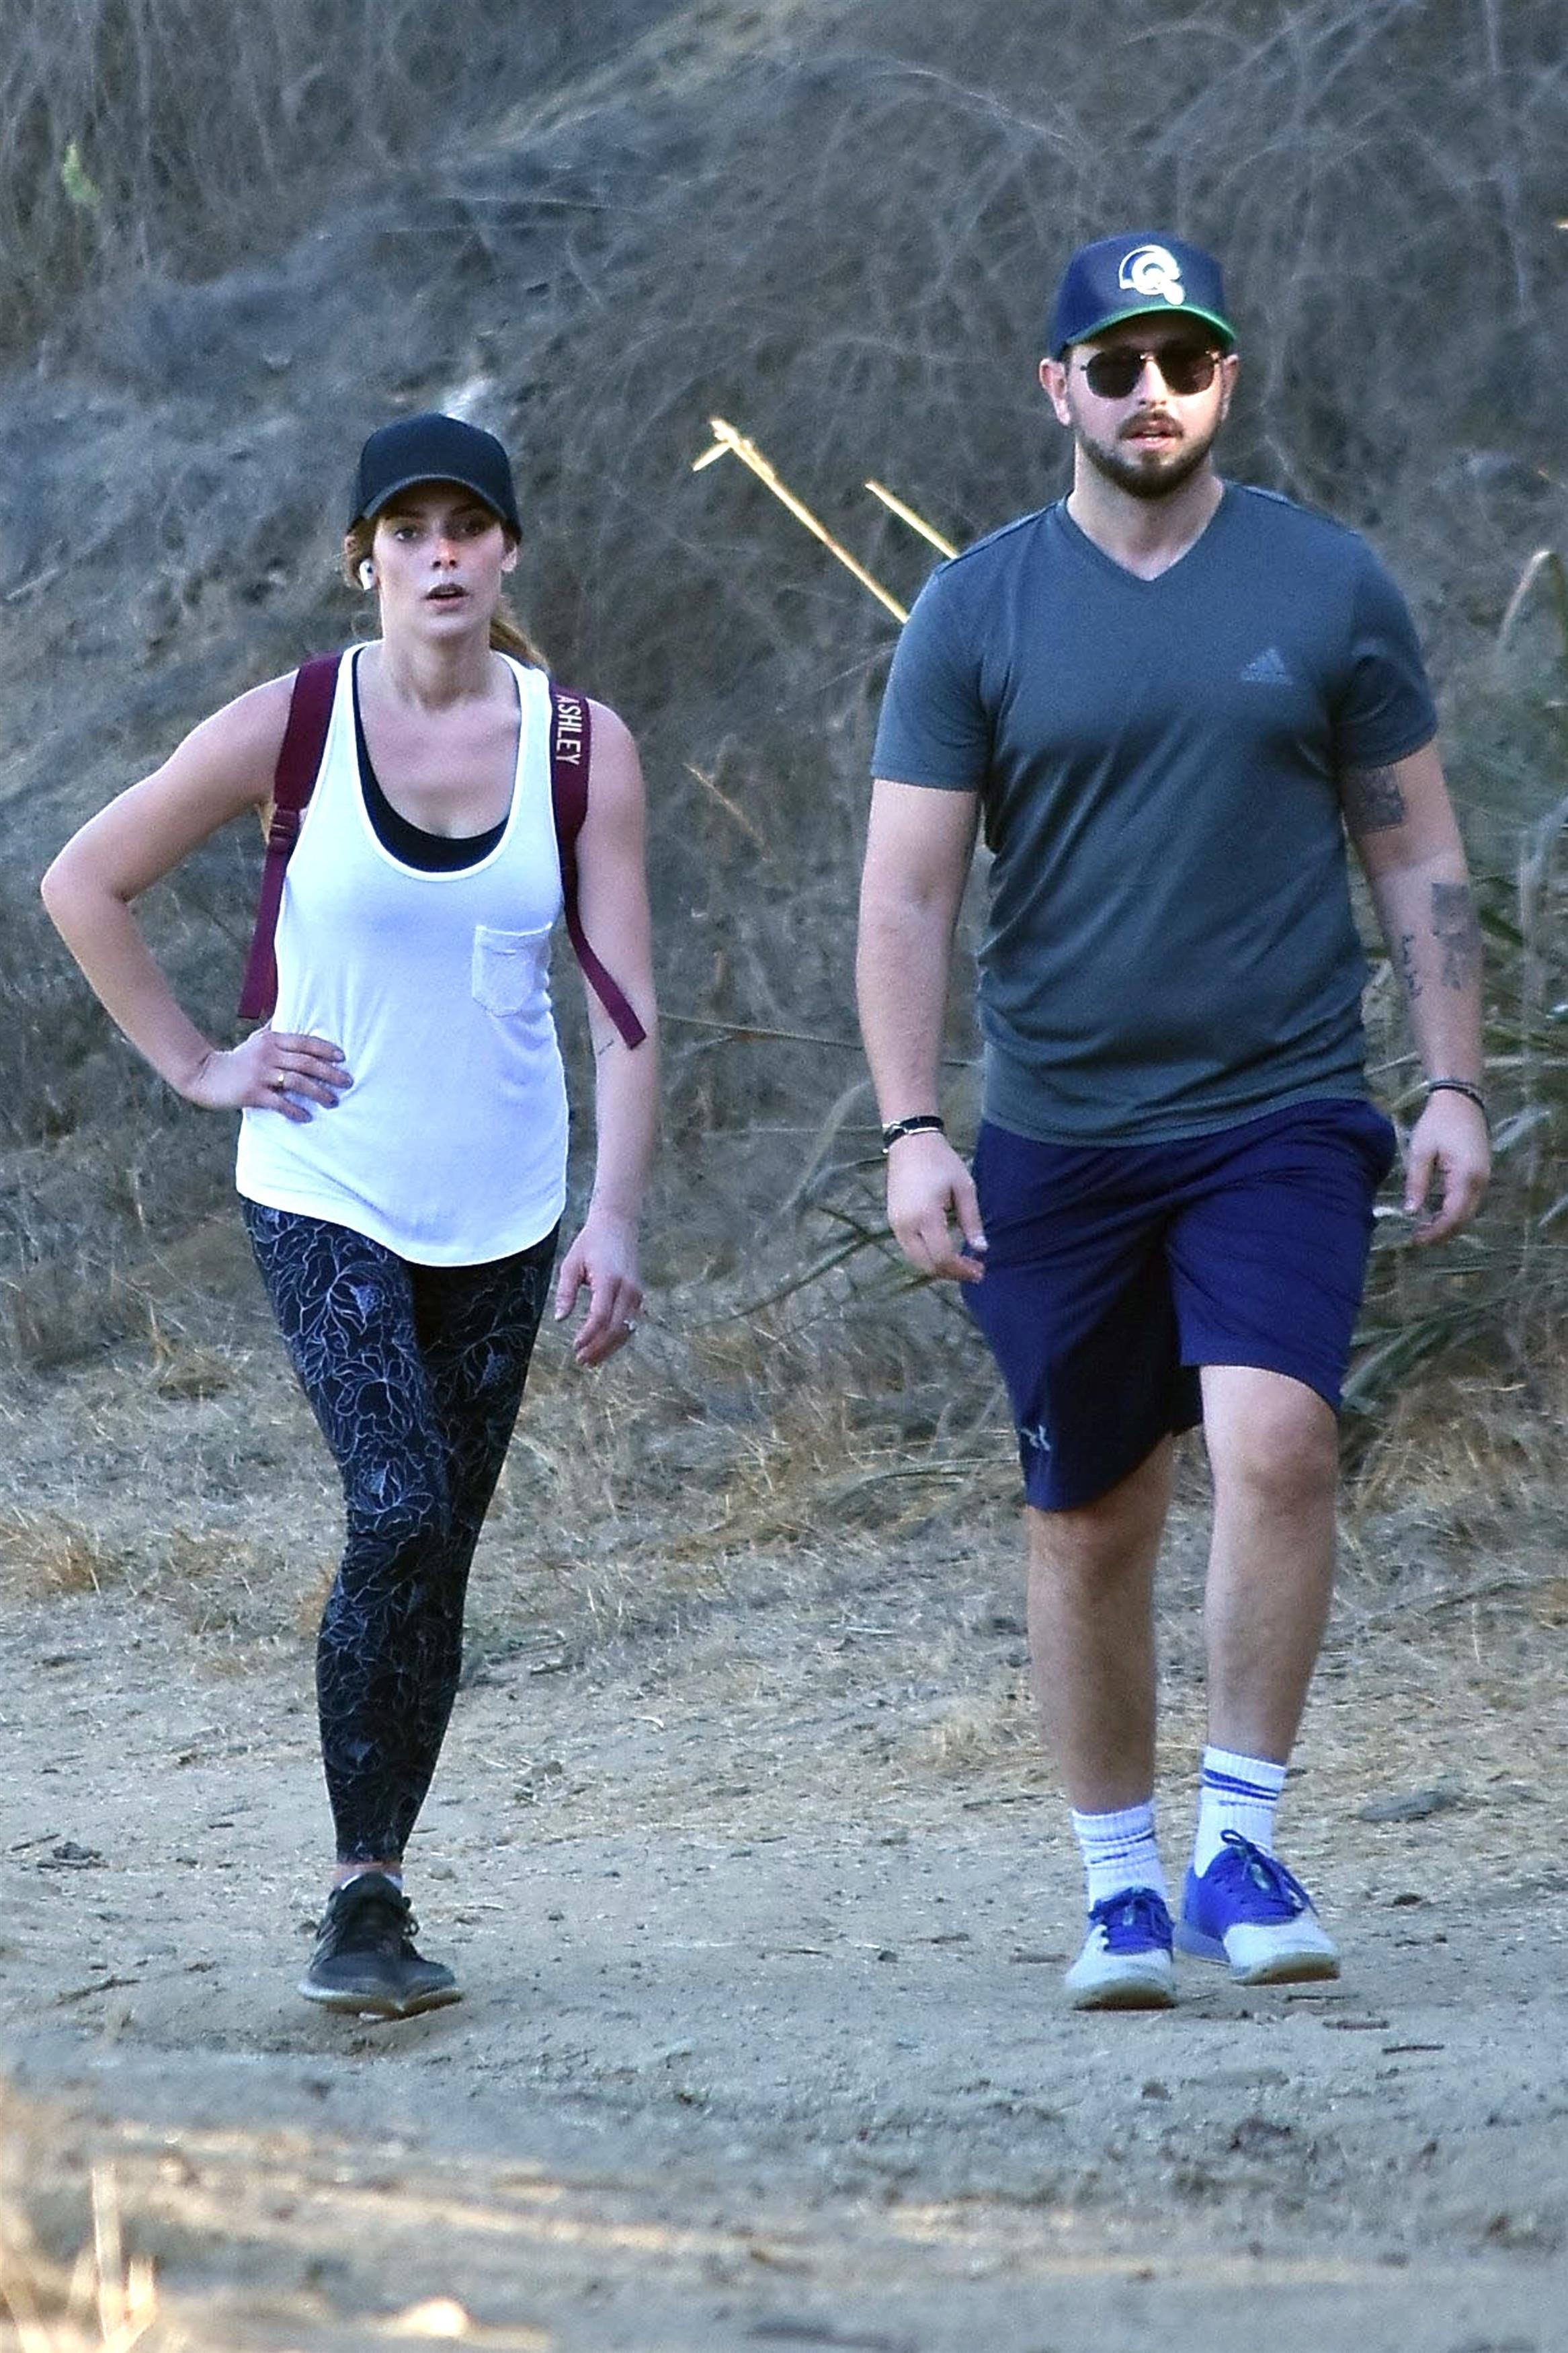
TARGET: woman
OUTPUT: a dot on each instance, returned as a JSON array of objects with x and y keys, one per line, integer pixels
[{"x": 403, "y": 1144}]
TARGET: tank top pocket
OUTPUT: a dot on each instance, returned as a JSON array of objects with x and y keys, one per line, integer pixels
[{"x": 509, "y": 975}]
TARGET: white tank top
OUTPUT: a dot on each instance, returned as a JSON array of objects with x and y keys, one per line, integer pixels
[{"x": 450, "y": 1145}]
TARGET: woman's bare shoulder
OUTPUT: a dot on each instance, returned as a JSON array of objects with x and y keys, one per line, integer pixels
[
  {"x": 610, "y": 727},
  {"x": 249, "y": 732}
]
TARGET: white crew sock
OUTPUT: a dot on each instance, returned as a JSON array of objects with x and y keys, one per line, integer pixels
[
  {"x": 1235, "y": 1793},
  {"x": 1119, "y": 1851}
]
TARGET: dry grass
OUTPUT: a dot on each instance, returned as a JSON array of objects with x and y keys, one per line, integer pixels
[
  {"x": 133, "y": 143},
  {"x": 61, "y": 1312},
  {"x": 983, "y": 1729},
  {"x": 44, "y": 1555},
  {"x": 107, "y": 2301},
  {"x": 729, "y": 1456},
  {"x": 692, "y": 227},
  {"x": 1465, "y": 1438},
  {"x": 636, "y": 1502}
]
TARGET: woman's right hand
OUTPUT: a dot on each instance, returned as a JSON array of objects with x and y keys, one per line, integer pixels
[{"x": 272, "y": 1070}]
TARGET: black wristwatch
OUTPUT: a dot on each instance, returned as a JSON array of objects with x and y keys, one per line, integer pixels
[{"x": 917, "y": 1123}]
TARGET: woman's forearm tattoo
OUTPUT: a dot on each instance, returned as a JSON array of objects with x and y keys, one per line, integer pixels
[
  {"x": 1373, "y": 799},
  {"x": 1458, "y": 933}
]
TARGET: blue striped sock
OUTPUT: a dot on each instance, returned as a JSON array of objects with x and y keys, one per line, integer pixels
[
  {"x": 1235, "y": 1793},
  {"x": 1119, "y": 1851}
]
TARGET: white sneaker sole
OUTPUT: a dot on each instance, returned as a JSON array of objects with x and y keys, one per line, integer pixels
[
  {"x": 1297, "y": 1952},
  {"x": 348, "y": 2003},
  {"x": 1121, "y": 1981}
]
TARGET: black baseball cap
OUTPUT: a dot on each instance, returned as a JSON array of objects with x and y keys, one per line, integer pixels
[
  {"x": 434, "y": 449},
  {"x": 1143, "y": 272}
]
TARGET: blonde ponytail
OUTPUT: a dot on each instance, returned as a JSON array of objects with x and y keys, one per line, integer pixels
[{"x": 508, "y": 636}]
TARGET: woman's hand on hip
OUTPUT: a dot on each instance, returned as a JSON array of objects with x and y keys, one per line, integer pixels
[
  {"x": 603, "y": 1261},
  {"x": 272, "y": 1070}
]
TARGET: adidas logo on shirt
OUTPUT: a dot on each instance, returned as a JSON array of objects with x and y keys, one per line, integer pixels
[{"x": 1268, "y": 670}]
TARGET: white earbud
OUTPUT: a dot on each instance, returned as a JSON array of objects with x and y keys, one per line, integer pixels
[{"x": 367, "y": 573}]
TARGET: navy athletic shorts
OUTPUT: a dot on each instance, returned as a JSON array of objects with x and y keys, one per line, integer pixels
[{"x": 1115, "y": 1272}]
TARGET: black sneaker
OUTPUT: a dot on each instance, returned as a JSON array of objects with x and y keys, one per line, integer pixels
[{"x": 364, "y": 1959}]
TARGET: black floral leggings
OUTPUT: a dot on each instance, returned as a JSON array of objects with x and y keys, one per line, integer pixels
[{"x": 415, "y": 1373}]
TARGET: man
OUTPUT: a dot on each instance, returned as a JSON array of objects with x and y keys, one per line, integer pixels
[{"x": 1169, "y": 698}]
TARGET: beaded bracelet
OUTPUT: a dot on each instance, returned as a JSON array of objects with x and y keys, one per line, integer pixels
[
  {"x": 916, "y": 1124},
  {"x": 1461, "y": 1087}
]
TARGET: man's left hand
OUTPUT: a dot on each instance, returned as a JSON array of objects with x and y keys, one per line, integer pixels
[{"x": 1450, "y": 1152}]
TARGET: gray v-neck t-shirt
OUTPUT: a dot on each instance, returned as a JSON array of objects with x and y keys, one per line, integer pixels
[{"x": 1170, "y": 947}]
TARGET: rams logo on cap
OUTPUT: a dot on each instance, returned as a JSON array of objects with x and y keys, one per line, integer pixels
[{"x": 1150, "y": 269}]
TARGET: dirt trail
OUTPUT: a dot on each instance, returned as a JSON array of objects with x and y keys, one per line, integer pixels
[{"x": 762, "y": 1920}]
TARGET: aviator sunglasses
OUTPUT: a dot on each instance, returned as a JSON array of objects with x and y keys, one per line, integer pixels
[{"x": 1185, "y": 367}]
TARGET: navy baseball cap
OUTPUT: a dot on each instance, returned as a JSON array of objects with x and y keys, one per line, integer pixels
[
  {"x": 1142, "y": 272},
  {"x": 434, "y": 449}
]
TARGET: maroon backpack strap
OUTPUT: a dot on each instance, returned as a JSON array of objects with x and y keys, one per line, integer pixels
[
  {"x": 299, "y": 759},
  {"x": 571, "y": 749}
]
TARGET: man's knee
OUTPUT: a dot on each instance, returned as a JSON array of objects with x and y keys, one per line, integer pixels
[
  {"x": 1097, "y": 1538},
  {"x": 1270, "y": 1439}
]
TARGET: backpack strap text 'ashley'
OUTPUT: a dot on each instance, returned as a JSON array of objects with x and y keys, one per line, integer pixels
[{"x": 571, "y": 749}]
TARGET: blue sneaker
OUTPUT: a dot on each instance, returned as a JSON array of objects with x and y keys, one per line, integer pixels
[
  {"x": 1125, "y": 1963},
  {"x": 1249, "y": 1911}
]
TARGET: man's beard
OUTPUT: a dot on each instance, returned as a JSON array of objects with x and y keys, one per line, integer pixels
[{"x": 1139, "y": 479}]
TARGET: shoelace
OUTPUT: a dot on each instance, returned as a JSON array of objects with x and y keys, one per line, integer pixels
[
  {"x": 1132, "y": 1921},
  {"x": 1274, "y": 1893},
  {"x": 377, "y": 1921}
]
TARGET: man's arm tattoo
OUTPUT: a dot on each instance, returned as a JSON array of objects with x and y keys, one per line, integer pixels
[
  {"x": 1372, "y": 798},
  {"x": 1404, "y": 956},
  {"x": 1457, "y": 933}
]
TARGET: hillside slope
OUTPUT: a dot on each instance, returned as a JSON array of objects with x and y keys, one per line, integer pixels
[{"x": 833, "y": 222}]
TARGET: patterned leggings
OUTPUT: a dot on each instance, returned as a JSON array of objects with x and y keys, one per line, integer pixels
[{"x": 415, "y": 1373}]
